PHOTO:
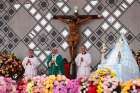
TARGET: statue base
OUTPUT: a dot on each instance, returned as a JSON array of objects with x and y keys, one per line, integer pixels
[
  {"x": 123, "y": 72},
  {"x": 116, "y": 68}
]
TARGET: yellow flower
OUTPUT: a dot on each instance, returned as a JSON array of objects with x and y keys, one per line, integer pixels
[
  {"x": 59, "y": 77},
  {"x": 30, "y": 86},
  {"x": 126, "y": 86},
  {"x": 48, "y": 83},
  {"x": 1, "y": 61},
  {"x": 113, "y": 74},
  {"x": 52, "y": 77},
  {"x": 99, "y": 88}
]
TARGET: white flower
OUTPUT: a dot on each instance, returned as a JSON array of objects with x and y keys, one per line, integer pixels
[
  {"x": 84, "y": 86},
  {"x": 114, "y": 91}
]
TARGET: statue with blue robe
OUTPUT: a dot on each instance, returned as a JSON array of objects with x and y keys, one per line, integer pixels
[{"x": 121, "y": 61}]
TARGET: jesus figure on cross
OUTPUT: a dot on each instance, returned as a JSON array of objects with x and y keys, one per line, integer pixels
[{"x": 74, "y": 22}]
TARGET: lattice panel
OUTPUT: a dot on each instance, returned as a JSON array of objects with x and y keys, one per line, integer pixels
[{"x": 29, "y": 22}]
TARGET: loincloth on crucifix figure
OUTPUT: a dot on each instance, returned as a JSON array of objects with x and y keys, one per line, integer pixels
[
  {"x": 74, "y": 22},
  {"x": 73, "y": 40}
]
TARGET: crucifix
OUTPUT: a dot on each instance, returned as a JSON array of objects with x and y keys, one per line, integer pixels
[{"x": 74, "y": 22}]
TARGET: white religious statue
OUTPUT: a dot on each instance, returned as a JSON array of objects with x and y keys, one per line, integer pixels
[
  {"x": 122, "y": 61},
  {"x": 130, "y": 69},
  {"x": 83, "y": 62},
  {"x": 114, "y": 55},
  {"x": 30, "y": 64}
]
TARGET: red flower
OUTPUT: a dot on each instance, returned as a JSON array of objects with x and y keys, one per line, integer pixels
[{"x": 92, "y": 88}]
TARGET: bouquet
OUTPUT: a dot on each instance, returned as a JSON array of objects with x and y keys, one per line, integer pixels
[
  {"x": 98, "y": 78},
  {"x": 60, "y": 84},
  {"x": 132, "y": 86},
  {"x": 92, "y": 88},
  {"x": 38, "y": 84},
  {"x": 83, "y": 85},
  {"x": 10, "y": 66},
  {"x": 136, "y": 85},
  {"x": 111, "y": 85},
  {"x": 73, "y": 86},
  {"x": 60, "y": 87},
  {"x": 22, "y": 86},
  {"x": 7, "y": 85},
  {"x": 51, "y": 84},
  {"x": 48, "y": 84}
]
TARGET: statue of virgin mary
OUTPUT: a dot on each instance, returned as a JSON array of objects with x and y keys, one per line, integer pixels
[{"x": 121, "y": 61}]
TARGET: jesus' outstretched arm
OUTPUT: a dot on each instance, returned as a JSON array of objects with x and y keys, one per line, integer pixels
[
  {"x": 62, "y": 18},
  {"x": 84, "y": 19}
]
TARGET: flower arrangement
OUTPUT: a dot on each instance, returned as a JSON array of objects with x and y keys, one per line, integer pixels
[
  {"x": 136, "y": 85},
  {"x": 10, "y": 66},
  {"x": 98, "y": 77},
  {"x": 84, "y": 84},
  {"x": 73, "y": 86},
  {"x": 60, "y": 84},
  {"x": 48, "y": 84},
  {"x": 22, "y": 86},
  {"x": 132, "y": 86},
  {"x": 92, "y": 88},
  {"x": 111, "y": 85},
  {"x": 7, "y": 85},
  {"x": 38, "y": 84},
  {"x": 60, "y": 87},
  {"x": 100, "y": 81}
]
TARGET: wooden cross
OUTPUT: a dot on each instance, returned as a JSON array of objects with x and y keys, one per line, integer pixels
[{"x": 74, "y": 22}]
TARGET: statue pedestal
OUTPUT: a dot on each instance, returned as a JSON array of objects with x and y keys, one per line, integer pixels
[{"x": 116, "y": 68}]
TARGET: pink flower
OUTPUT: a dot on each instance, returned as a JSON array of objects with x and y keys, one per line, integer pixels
[
  {"x": 2, "y": 85},
  {"x": 110, "y": 84}
]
